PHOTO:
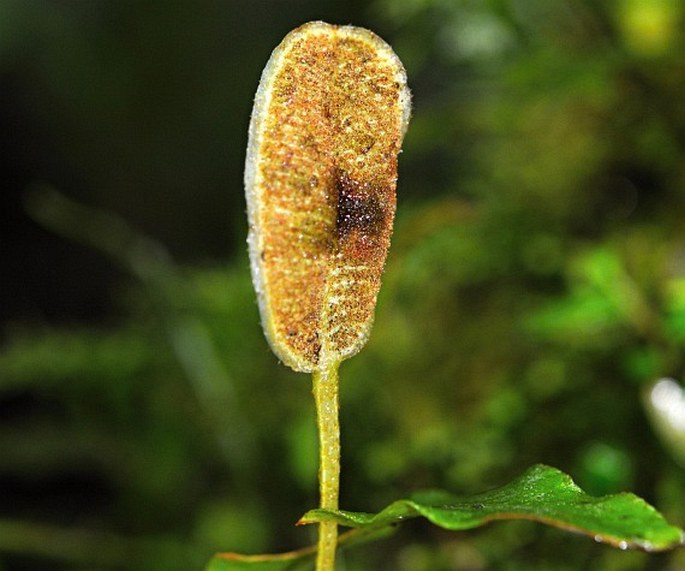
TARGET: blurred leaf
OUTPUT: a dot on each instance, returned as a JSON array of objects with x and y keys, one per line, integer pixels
[
  {"x": 284, "y": 562},
  {"x": 649, "y": 27},
  {"x": 91, "y": 548},
  {"x": 602, "y": 298},
  {"x": 293, "y": 560},
  {"x": 605, "y": 468},
  {"x": 675, "y": 310},
  {"x": 541, "y": 494}
]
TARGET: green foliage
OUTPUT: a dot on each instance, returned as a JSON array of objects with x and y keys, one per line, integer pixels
[
  {"x": 541, "y": 494},
  {"x": 534, "y": 294}
]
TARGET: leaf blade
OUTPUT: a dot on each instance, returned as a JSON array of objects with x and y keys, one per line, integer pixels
[
  {"x": 328, "y": 121},
  {"x": 298, "y": 560},
  {"x": 541, "y": 494}
]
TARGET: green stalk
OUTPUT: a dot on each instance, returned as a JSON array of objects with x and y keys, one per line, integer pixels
[{"x": 325, "y": 391}]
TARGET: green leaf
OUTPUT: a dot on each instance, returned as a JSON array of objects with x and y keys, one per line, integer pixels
[
  {"x": 541, "y": 494},
  {"x": 282, "y": 562},
  {"x": 293, "y": 560}
]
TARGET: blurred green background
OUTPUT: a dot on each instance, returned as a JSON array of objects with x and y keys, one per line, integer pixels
[{"x": 534, "y": 293}]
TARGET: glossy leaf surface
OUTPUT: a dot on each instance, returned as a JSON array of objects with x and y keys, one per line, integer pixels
[{"x": 541, "y": 494}]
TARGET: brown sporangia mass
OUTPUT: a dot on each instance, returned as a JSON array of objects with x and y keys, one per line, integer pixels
[{"x": 321, "y": 171}]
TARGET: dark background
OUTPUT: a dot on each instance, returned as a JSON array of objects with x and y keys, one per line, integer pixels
[{"x": 534, "y": 292}]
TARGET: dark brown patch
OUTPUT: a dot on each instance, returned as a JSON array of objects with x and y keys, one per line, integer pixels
[{"x": 358, "y": 208}]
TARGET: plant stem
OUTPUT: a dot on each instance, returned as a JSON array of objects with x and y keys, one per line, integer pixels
[{"x": 325, "y": 391}]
